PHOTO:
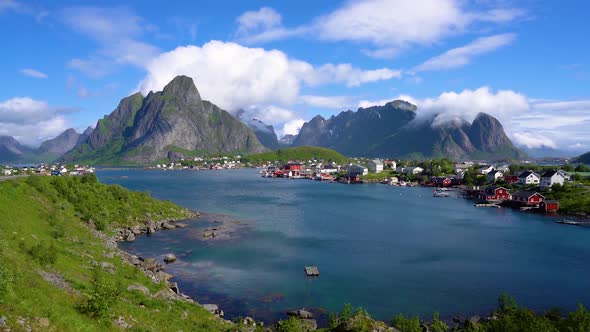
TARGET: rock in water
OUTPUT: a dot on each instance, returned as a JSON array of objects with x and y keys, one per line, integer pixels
[{"x": 169, "y": 258}]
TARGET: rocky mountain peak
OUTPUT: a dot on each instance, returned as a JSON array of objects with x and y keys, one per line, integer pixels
[
  {"x": 403, "y": 105},
  {"x": 184, "y": 89}
]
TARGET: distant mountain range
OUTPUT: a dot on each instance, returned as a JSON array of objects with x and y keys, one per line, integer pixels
[
  {"x": 584, "y": 159},
  {"x": 393, "y": 130},
  {"x": 175, "y": 123}
]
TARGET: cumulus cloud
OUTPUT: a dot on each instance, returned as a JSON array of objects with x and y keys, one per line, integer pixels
[
  {"x": 389, "y": 26},
  {"x": 33, "y": 73},
  {"x": 292, "y": 127},
  {"x": 264, "y": 18},
  {"x": 117, "y": 32},
  {"x": 31, "y": 121},
  {"x": 533, "y": 140},
  {"x": 464, "y": 55},
  {"x": 234, "y": 76}
]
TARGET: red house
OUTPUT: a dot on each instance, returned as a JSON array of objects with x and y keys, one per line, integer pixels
[
  {"x": 527, "y": 197},
  {"x": 550, "y": 206},
  {"x": 441, "y": 181},
  {"x": 494, "y": 193},
  {"x": 291, "y": 169},
  {"x": 511, "y": 179}
]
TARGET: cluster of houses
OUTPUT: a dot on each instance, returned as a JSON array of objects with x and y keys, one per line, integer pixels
[
  {"x": 46, "y": 169},
  {"x": 202, "y": 163}
]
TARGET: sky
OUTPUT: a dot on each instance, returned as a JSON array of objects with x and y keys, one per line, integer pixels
[{"x": 67, "y": 64}]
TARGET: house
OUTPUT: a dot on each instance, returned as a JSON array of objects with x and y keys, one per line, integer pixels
[
  {"x": 503, "y": 168},
  {"x": 291, "y": 169},
  {"x": 410, "y": 170},
  {"x": 529, "y": 177},
  {"x": 494, "y": 175},
  {"x": 566, "y": 176},
  {"x": 485, "y": 170},
  {"x": 510, "y": 179},
  {"x": 550, "y": 206},
  {"x": 550, "y": 178},
  {"x": 527, "y": 197},
  {"x": 440, "y": 181},
  {"x": 353, "y": 171},
  {"x": 494, "y": 193},
  {"x": 375, "y": 166},
  {"x": 390, "y": 163},
  {"x": 7, "y": 172},
  {"x": 461, "y": 168}
]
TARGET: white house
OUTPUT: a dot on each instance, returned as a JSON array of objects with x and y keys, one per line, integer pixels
[
  {"x": 550, "y": 178},
  {"x": 461, "y": 168},
  {"x": 7, "y": 172},
  {"x": 485, "y": 170},
  {"x": 375, "y": 166},
  {"x": 354, "y": 170},
  {"x": 566, "y": 176},
  {"x": 529, "y": 177},
  {"x": 410, "y": 170},
  {"x": 494, "y": 175}
]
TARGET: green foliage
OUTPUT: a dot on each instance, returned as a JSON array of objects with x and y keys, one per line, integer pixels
[
  {"x": 302, "y": 153},
  {"x": 437, "y": 167},
  {"x": 103, "y": 294},
  {"x": 292, "y": 324},
  {"x": 410, "y": 324},
  {"x": 571, "y": 199},
  {"x": 6, "y": 276},
  {"x": 42, "y": 252},
  {"x": 437, "y": 325}
]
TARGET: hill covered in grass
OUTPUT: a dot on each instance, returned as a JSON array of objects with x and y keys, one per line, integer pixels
[
  {"x": 584, "y": 159},
  {"x": 298, "y": 153},
  {"x": 57, "y": 275}
]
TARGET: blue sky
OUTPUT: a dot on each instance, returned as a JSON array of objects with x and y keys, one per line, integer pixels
[{"x": 525, "y": 62}]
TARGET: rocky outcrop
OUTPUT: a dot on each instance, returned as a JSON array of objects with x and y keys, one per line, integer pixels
[
  {"x": 393, "y": 130},
  {"x": 176, "y": 119}
]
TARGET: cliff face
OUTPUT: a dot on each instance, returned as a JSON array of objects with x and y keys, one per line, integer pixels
[
  {"x": 11, "y": 150},
  {"x": 175, "y": 120},
  {"x": 392, "y": 130},
  {"x": 61, "y": 144}
]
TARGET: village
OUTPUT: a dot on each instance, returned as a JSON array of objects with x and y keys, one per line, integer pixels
[
  {"x": 488, "y": 185},
  {"x": 55, "y": 169}
]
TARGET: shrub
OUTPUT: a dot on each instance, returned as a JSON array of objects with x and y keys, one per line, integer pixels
[
  {"x": 41, "y": 252},
  {"x": 438, "y": 325},
  {"x": 404, "y": 324},
  {"x": 6, "y": 276},
  {"x": 103, "y": 294}
]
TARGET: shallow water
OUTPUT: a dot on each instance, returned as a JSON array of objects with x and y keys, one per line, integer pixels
[{"x": 387, "y": 249}]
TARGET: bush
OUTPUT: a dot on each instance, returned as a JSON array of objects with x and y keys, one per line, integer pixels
[
  {"x": 103, "y": 294},
  {"x": 41, "y": 252},
  {"x": 438, "y": 325},
  {"x": 404, "y": 324}
]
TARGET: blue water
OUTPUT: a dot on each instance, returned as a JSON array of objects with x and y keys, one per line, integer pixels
[{"x": 387, "y": 249}]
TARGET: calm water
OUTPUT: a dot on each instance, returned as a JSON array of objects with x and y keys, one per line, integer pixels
[{"x": 387, "y": 249}]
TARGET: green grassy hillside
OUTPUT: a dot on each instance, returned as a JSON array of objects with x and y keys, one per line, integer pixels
[
  {"x": 56, "y": 275},
  {"x": 299, "y": 153}
]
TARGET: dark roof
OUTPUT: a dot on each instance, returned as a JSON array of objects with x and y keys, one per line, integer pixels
[
  {"x": 494, "y": 172},
  {"x": 527, "y": 173},
  {"x": 526, "y": 193},
  {"x": 549, "y": 173},
  {"x": 492, "y": 189}
]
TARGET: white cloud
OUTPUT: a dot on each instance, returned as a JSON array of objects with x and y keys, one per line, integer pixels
[
  {"x": 533, "y": 140},
  {"x": 33, "y": 73},
  {"x": 388, "y": 26},
  {"x": 234, "y": 76},
  {"x": 31, "y": 121},
  {"x": 264, "y": 18},
  {"x": 292, "y": 127},
  {"x": 117, "y": 32},
  {"x": 464, "y": 55},
  {"x": 336, "y": 102}
]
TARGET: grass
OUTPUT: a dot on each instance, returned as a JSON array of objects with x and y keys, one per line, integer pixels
[
  {"x": 302, "y": 153},
  {"x": 42, "y": 228}
]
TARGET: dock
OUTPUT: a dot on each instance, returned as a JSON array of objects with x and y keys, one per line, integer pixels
[
  {"x": 487, "y": 205},
  {"x": 312, "y": 271}
]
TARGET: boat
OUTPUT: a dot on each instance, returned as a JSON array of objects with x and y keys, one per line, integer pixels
[
  {"x": 440, "y": 193},
  {"x": 573, "y": 222}
]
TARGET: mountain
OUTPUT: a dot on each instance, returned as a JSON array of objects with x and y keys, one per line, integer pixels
[
  {"x": 393, "y": 130},
  {"x": 287, "y": 140},
  {"x": 59, "y": 145},
  {"x": 265, "y": 133},
  {"x": 11, "y": 151},
  {"x": 171, "y": 123},
  {"x": 583, "y": 159}
]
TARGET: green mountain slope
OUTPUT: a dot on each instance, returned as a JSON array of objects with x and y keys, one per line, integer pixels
[
  {"x": 298, "y": 153},
  {"x": 58, "y": 276}
]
